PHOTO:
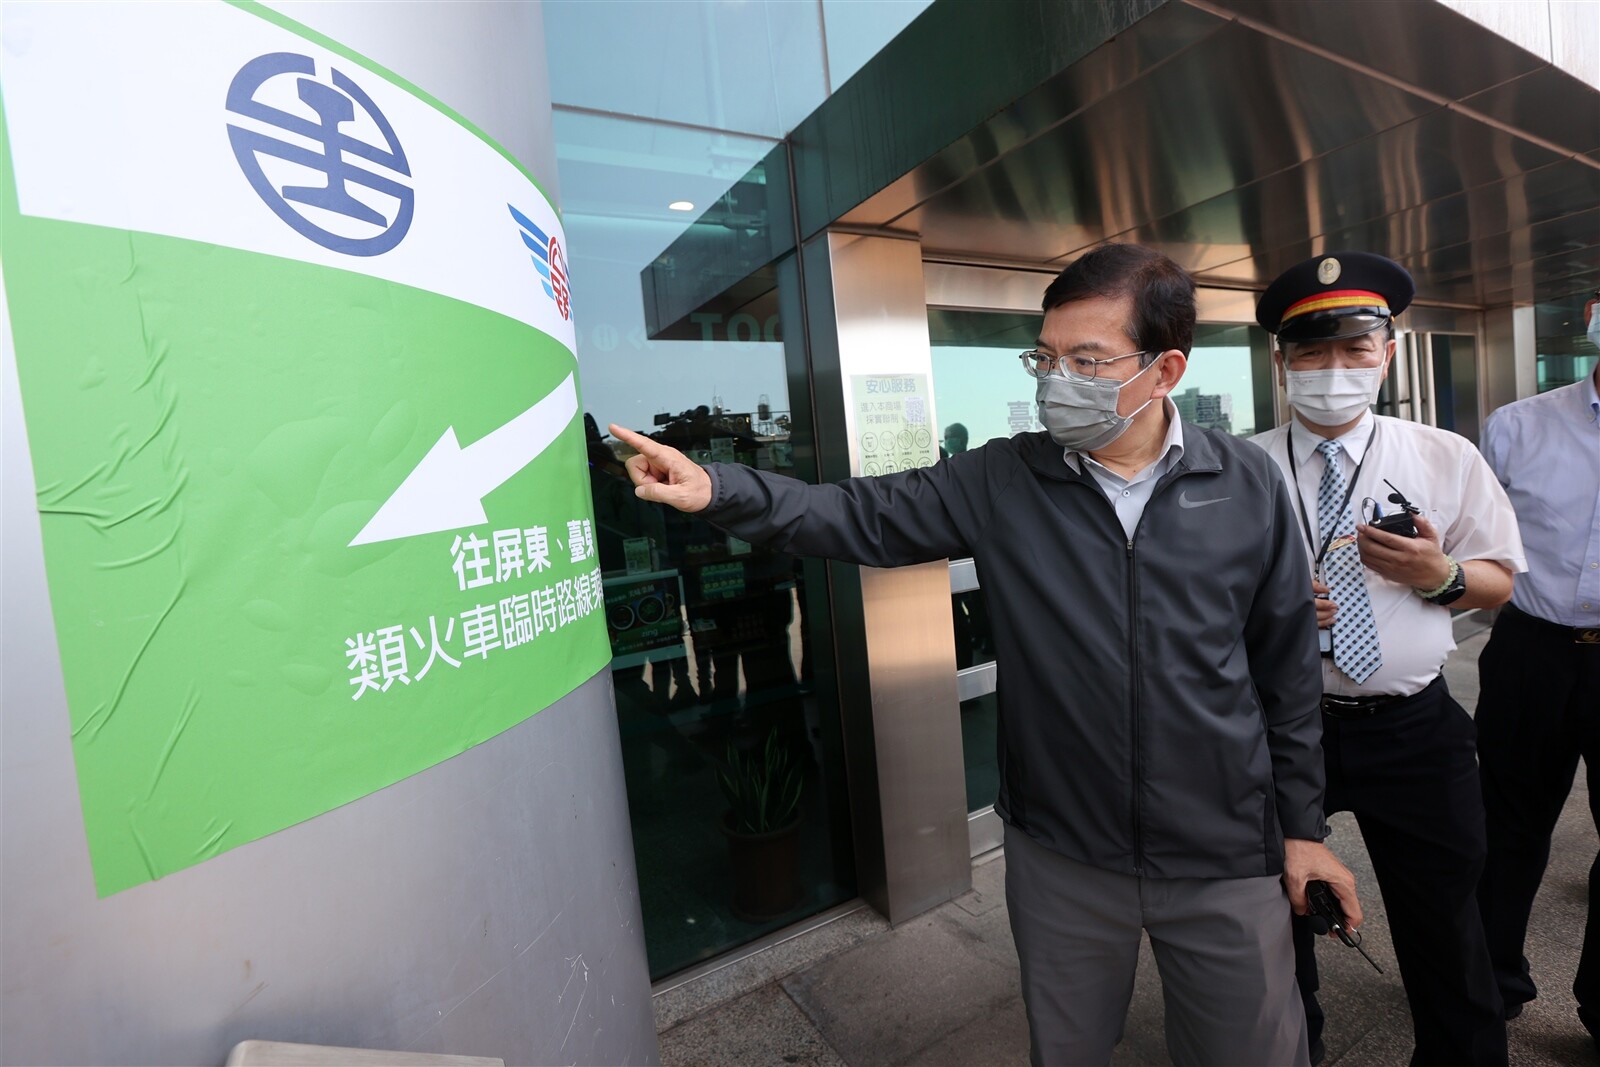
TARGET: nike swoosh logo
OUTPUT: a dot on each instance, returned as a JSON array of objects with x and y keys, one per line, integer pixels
[{"x": 1185, "y": 502}]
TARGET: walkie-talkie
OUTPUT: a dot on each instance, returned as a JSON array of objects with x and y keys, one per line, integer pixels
[{"x": 1326, "y": 915}]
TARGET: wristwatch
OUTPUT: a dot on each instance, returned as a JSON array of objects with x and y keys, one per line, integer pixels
[{"x": 1454, "y": 588}]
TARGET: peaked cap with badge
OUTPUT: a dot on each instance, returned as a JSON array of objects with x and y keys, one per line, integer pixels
[{"x": 1328, "y": 297}]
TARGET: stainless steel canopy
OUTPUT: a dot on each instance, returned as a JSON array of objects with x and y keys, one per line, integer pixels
[{"x": 1239, "y": 136}]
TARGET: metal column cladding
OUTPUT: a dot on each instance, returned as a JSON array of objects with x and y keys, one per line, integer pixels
[
  {"x": 867, "y": 320},
  {"x": 302, "y": 513}
]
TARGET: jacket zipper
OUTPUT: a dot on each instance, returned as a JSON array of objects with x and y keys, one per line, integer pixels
[
  {"x": 1133, "y": 668},
  {"x": 1133, "y": 659},
  {"x": 1133, "y": 709}
]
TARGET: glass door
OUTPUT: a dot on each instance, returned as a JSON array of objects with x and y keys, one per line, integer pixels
[
  {"x": 1454, "y": 363},
  {"x": 980, "y": 393}
]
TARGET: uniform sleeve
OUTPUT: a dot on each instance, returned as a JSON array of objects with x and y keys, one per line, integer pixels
[
  {"x": 889, "y": 521},
  {"x": 1485, "y": 525},
  {"x": 1280, "y": 637}
]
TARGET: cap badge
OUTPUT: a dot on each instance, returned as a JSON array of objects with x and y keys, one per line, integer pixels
[{"x": 1328, "y": 271}]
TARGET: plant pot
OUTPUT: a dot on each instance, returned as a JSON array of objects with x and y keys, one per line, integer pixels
[{"x": 766, "y": 871}]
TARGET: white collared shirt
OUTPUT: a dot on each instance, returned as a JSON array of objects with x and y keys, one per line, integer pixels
[
  {"x": 1546, "y": 451},
  {"x": 1441, "y": 473},
  {"x": 1130, "y": 495}
]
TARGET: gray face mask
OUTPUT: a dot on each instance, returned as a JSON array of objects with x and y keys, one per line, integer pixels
[{"x": 1082, "y": 415}]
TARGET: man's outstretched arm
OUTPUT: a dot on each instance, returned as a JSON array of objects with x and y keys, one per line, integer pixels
[{"x": 908, "y": 517}]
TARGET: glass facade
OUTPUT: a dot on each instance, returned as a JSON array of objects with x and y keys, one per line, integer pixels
[
  {"x": 1455, "y": 383},
  {"x": 980, "y": 393},
  {"x": 713, "y": 667},
  {"x": 726, "y": 694},
  {"x": 1565, "y": 354}
]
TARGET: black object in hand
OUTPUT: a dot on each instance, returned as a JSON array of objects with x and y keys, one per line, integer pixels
[
  {"x": 1400, "y": 522},
  {"x": 1327, "y": 916}
]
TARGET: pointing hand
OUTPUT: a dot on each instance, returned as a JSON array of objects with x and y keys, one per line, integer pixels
[{"x": 663, "y": 474}]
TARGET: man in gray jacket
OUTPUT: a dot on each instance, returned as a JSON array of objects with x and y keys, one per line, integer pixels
[{"x": 1159, "y": 687}]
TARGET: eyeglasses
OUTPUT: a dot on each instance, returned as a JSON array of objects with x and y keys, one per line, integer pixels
[{"x": 1078, "y": 368}]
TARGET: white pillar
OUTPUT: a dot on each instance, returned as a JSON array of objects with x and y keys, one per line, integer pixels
[{"x": 485, "y": 906}]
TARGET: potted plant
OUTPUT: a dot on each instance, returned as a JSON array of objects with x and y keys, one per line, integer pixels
[{"x": 762, "y": 826}]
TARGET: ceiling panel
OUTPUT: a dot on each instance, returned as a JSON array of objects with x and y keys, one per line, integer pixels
[
  {"x": 1429, "y": 45},
  {"x": 1547, "y": 103},
  {"x": 1113, "y": 65},
  {"x": 1192, "y": 129},
  {"x": 1406, "y": 180}
]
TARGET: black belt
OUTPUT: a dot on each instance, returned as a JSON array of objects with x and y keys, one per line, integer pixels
[
  {"x": 1366, "y": 707},
  {"x": 1578, "y": 635}
]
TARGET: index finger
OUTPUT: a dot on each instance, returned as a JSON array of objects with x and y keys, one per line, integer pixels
[{"x": 639, "y": 441}]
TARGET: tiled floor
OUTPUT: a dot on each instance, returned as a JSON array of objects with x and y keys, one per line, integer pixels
[{"x": 943, "y": 990}]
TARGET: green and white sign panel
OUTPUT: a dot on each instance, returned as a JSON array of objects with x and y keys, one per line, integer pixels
[{"x": 296, "y": 357}]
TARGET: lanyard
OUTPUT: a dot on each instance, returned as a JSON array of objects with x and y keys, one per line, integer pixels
[{"x": 1299, "y": 501}]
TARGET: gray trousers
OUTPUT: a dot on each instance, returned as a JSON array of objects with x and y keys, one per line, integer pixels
[{"x": 1222, "y": 945}]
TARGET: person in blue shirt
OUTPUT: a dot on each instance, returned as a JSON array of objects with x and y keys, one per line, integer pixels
[{"x": 1539, "y": 709}]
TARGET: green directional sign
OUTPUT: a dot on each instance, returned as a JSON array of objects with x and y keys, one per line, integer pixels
[{"x": 295, "y": 351}]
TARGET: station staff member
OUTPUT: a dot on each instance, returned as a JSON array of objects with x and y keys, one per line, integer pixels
[
  {"x": 1539, "y": 708},
  {"x": 1399, "y": 751}
]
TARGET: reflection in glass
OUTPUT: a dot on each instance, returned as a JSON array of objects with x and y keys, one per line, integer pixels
[
  {"x": 1560, "y": 369},
  {"x": 1455, "y": 384},
  {"x": 755, "y": 68},
  {"x": 974, "y": 638},
  {"x": 983, "y": 391},
  {"x": 722, "y": 695},
  {"x": 979, "y": 741},
  {"x": 718, "y": 709},
  {"x": 1228, "y": 384},
  {"x": 1565, "y": 353}
]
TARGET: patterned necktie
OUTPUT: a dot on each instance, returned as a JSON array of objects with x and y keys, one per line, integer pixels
[{"x": 1355, "y": 632}]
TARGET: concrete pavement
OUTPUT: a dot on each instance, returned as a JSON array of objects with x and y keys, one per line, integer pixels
[{"x": 942, "y": 989}]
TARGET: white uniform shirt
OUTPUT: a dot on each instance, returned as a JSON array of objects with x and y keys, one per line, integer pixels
[
  {"x": 1546, "y": 450},
  {"x": 1441, "y": 473}
]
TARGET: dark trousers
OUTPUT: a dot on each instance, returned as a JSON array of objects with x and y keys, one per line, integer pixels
[
  {"x": 1538, "y": 712},
  {"x": 1410, "y": 776}
]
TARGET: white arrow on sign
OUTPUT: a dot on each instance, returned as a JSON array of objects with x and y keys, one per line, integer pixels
[{"x": 446, "y": 490}]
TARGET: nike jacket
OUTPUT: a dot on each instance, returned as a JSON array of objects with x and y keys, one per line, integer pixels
[{"x": 1159, "y": 695}]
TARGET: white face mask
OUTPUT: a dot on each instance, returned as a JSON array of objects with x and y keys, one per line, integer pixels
[
  {"x": 1333, "y": 397},
  {"x": 1082, "y": 416},
  {"x": 1594, "y": 326}
]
